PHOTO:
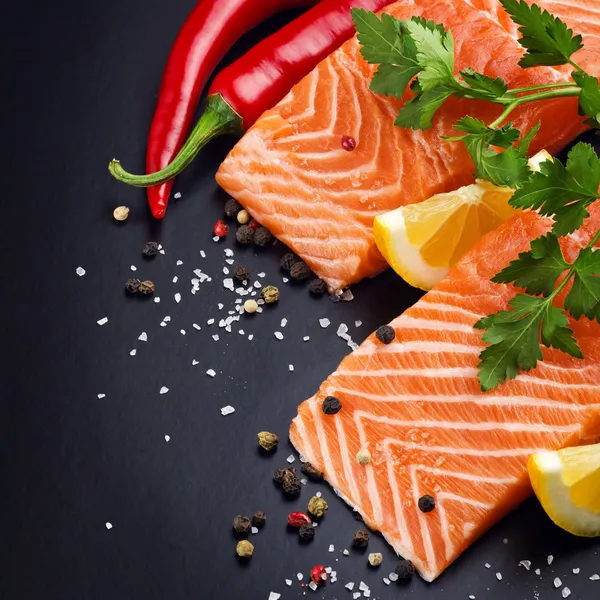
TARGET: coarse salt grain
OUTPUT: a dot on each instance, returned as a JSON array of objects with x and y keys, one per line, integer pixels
[
  {"x": 576, "y": 571},
  {"x": 393, "y": 576},
  {"x": 228, "y": 284},
  {"x": 278, "y": 335},
  {"x": 299, "y": 576},
  {"x": 133, "y": 268},
  {"x": 80, "y": 271},
  {"x": 101, "y": 396},
  {"x": 557, "y": 582},
  {"x": 550, "y": 559},
  {"x": 367, "y": 593},
  {"x": 356, "y": 595},
  {"x": 357, "y": 323},
  {"x": 345, "y": 552},
  {"x": 288, "y": 582},
  {"x": 566, "y": 592},
  {"x": 538, "y": 571},
  {"x": 210, "y": 321},
  {"x": 362, "y": 586},
  {"x": 132, "y": 352},
  {"x": 283, "y": 322},
  {"x": 196, "y": 326},
  {"x": 313, "y": 586},
  {"x": 163, "y": 324},
  {"x": 488, "y": 566},
  {"x": 177, "y": 195},
  {"x": 177, "y": 297},
  {"x": 143, "y": 337},
  {"x": 167, "y": 438},
  {"x": 386, "y": 581},
  {"x": 595, "y": 577},
  {"x": 499, "y": 576},
  {"x": 291, "y": 367},
  {"x": 227, "y": 410},
  {"x": 331, "y": 548},
  {"x": 306, "y": 338},
  {"x": 291, "y": 458},
  {"x": 304, "y": 481},
  {"x": 211, "y": 372},
  {"x": 156, "y": 300},
  {"x": 216, "y": 238},
  {"x": 102, "y": 321},
  {"x": 202, "y": 254},
  {"x": 526, "y": 564},
  {"x": 108, "y": 525},
  {"x": 318, "y": 494},
  {"x": 324, "y": 323},
  {"x": 175, "y": 279},
  {"x": 251, "y": 337},
  {"x": 254, "y": 530},
  {"x": 215, "y": 337},
  {"x": 257, "y": 284},
  {"x": 284, "y": 279},
  {"x": 164, "y": 390},
  {"x": 274, "y": 596},
  {"x": 195, "y": 362},
  {"x": 162, "y": 251}
]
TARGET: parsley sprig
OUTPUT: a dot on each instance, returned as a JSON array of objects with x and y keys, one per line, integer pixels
[{"x": 415, "y": 61}]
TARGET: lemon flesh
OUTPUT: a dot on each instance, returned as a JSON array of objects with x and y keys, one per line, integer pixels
[
  {"x": 421, "y": 242},
  {"x": 567, "y": 484}
]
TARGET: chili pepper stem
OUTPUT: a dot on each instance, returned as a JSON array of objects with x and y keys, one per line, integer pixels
[{"x": 218, "y": 119}]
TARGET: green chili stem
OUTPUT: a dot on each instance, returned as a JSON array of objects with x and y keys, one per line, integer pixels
[{"x": 218, "y": 119}]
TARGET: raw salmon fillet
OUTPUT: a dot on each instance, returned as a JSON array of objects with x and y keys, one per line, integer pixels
[
  {"x": 292, "y": 174},
  {"x": 416, "y": 406}
]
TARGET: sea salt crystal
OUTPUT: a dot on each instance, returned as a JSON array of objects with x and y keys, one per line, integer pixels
[
  {"x": 163, "y": 324},
  {"x": 196, "y": 326},
  {"x": 274, "y": 596},
  {"x": 254, "y": 530},
  {"x": 202, "y": 254},
  {"x": 488, "y": 566},
  {"x": 283, "y": 322},
  {"x": 393, "y": 576},
  {"x": 499, "y": 576},
  {"x": 143, "y": 337},
  {"x": 225, "y": 271},
  {"x": 526, "y": 564},
  {"x": 220, "y": 306},
  {"x": 291, "y": 367},
  {"x": 262, "y": 274},
  {"x": 228, "y": 284},
  {"x": 331, "y": 548},
  {"x": 306, "y": 338},
  {"x": 161, "y": 251},
  {"x": 284, "y": 279},
  {"x": 299, "y": 576},
  {"x": 550, "y": 559},
  {"x": 304, "y": 481},
  {"x": 167, "y": 438},
  {"x": 505, "y": 541},
  {"x": 471, "y": 597},
  {"x": 195, "y": 362},
  {"x": 133, "y": 352},
  {"x": 576, "y": 571},
  {"x": 349, "y": 586},
  {"x": 108, "y": 525},
  {"x": 278, "y": 335},
  {"x": 80, "y": 271},
  {"x": 175, "y": 279},
  {"x": 156, "y": 300},
  {"x": 595, "y": 577},
  {"x": 356, "y": 595},
  {"x": 229, "y": 261},
  {"x": 227, "y": 410},
  {"x": 177, "y": 297},
  {"x": 101, "y": 396},
  {"x": 242, "y": 332},
  {"x": 216, "y": 238},
  {"x": 211, "y": 372},
  {"x": 177, "y": 195},
  {"x": 257, "y": 284},
  {"x": 288, "y": 582},
  {"x": 324, "y": 323},
  {"x": 386, "y": 581},
  {"x": 362, "y": 586},
  {"x": 210, "y": 321},
  {"x": 557, "y": 582},
  {"x": 133, "y": 268},
  {"x": 215, "y": 337},
  {"x": 345, "y": 552},
  {"x": 164, "y": 390},
  {"x": 251, "y": 337},
  {"x": 318, "y": 494},
  {"x": 291, "y": 458},
  {"x": 102, "y": 321},
  {"x": 367, "y": 593},
  {"x": 566, "y": 592},
  {"x": 313, "y": 586},
  {"x": 357, "y": 323},
  {"x": 538, "y": 571}
]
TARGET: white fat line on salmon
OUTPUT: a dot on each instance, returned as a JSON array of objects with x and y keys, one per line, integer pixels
[
  {"x": 407, "y": 322},
  {"x": 424, "y": 525},
  {"x": 323, "y": 447},
  {"x": 500, "y": 481},
  {"x": 310, "y": 110},
  {"x": 471, "y": 297},
  {"x": 345, "y": 458},
  {"x": 481, "y": 426},
  {"x": 404, "y": 534},
  {"x": 424, "y": 303},
  {"x": 428, "y": 347},
  {"x": 307, "y": 449},
  {"x": 479, "y": 399},
  {"x": 580, "y": 386}
]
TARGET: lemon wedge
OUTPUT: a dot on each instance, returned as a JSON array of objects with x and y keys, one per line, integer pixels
[
  {"x": 422, "y": 241},
  {"x": 567, "y": 484}
]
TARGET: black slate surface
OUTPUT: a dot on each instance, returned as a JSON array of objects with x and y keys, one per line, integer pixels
[{"x": 79, "y": 85}]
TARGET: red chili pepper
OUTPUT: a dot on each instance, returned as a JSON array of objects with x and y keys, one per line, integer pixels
[
  {"x": 260, "y": 78},
  {"x": 297, "y": 519},
  {"x": 208, "y": 33},
  {"x": 221, "y": 229},
  {"x": 318, "y": 574}
]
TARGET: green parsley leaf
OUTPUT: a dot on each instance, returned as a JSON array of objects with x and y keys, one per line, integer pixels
[
  {"x": 435, "y": 53},
  {"x": 547, "y": 39},
  {"x": 563, "y": 192},
  {"x": 418, "y": 112},
  {"x": 523, "y": 146},
  {"x": 484, "y": 87},
  {"x": 392, "y": 80},
  {"x": 584, "y": 297},
  {"x": 538, "y": 269},
  {"x": 514, "y": 338},
  {"x": 503, "y": 137},
  {"x": 589, "y": 99}
]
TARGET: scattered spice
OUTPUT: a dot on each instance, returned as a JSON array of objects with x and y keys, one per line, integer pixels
[
  {"x": 317, "y": 286},
  {"x": 317, "y": 506},
  {"x": 361, "y": 538},
  {"x": 298, "y": 518},
  {"x": 307, "y": 532},
  {"x": 150, "y": 249},
  {"x": 348, "y": 143},
  {"x": 385, "y": 334},
  {"x": 262, "y": 237},
  {"x": 318, "y": 574},
  {"x": 147, "y": 287},
  {"x": 311, "y": 472},
  {"x": 267, "y": 440},
  {"x": 331, "y": 405},
  {"x": 132, "y": 286},
  {"x": 121, "y": 213},
  {"x": 363, "y": 456},
  {"x": 244, "y": 235},
  {"x": 241, "y": 273},
  {"x": 221, "y": 228},
  {"x": 426, "y": 503},
  {"x": 270, "y": 294},
  {"x": 291, "y": 484},
  {"x": 232, "y": 207},
  {"x": 375, "y": 559},
  {"x": 250, "y": 306},
  {"x": 241, "y": 524},
  {"x": 259, "y": 518},
  {"x": 245, "y": 549},
  {"x": 243, "y": 217},
  {"x": 288, "y": 261},
  {"x": 253, "y": 225},
  {"x": 280, "y": 473},
  {"x": 300, "y": 270},
  {"x": 405, "y": 571}
]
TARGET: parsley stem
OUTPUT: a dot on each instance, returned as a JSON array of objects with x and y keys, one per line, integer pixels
[
  {"x": 575, "y": 65},
  {"x": 545, "y": 86}
]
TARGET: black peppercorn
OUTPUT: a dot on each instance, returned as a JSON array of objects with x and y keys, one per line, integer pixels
[
  {"x": 361, "y": 538},
  {"x": 385, "y": 334},
  {"x": 405, "y": 571},
  {"x": 150, "y": 249},
  {"x": 147, "y": 287},
  {"x": 300, "y": 271},
  {"x": 331, "y": 405},
  {"x": 311, "y": 472},
  {"x": 241, "y": 273},
  {"x": 262, "y": 237},
  {"x": 259, "y": 518},
  {"x": 244, "y": 235},
  {"x": 232, "y": 208},
  {"x": 317, "y": 286},
  {"x": 291, "y": 484},
  {"x": 132, "y": 286},
  {"x": 426, "y": 503},
  {"x": 288, "y": 261},
  {"x": 307, "y": 532},
  {"x": 279, "y": 474},
  {"x": 241, "y": 524}
]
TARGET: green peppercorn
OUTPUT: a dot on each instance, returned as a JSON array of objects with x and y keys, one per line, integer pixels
[
  {"x": 270, "y": 294},
  {"x": 375, "y": 559},
  {"x": 267, "y": 440},
  {"x": 244, "y": 549},
  {"x": 317, "y": 506},
  {"x": 241, "y": 524}
]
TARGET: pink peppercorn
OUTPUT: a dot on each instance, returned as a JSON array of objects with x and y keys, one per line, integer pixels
[{"x": 348, "y": 143}]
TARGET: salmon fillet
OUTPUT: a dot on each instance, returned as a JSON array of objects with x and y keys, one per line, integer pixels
[
  {"x": 416, "y": 406},
  {"x": 292, "y": 174}
]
